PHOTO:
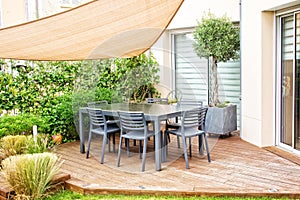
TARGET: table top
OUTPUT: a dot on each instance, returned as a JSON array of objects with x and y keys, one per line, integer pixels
[{"x": 148, "y": 109}]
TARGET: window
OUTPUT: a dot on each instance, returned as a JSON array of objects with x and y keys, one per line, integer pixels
[{"x": 192, "y": 74}]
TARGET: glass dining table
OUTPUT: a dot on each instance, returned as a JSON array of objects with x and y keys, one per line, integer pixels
[{"x": 153, "y": 112}]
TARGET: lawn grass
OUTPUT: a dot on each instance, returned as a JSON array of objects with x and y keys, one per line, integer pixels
[{"x": 69, "y": 195}]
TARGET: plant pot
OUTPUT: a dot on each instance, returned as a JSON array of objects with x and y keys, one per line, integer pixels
[{"x": 221, "y": 120}]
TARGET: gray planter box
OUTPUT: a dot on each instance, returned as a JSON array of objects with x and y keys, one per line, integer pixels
[{"x": 221, "y": 120}]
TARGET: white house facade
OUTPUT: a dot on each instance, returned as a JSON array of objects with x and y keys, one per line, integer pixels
[
  {"x": 270, "y": 73},
  {"x": 269, "y": 65}
]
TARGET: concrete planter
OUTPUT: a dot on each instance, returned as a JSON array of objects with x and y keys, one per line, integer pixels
[{"x": 221, "y": 120}]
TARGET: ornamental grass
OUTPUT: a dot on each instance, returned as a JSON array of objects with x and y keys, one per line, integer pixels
[
  {"x": 30, "y": 175},
  {"x": 12, "y": 145}
]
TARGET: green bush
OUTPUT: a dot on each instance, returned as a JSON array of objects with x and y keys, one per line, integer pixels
[
  {"x": 59, "y": 117},
  {"x": 21, "y": 124},
  {"x": 30, "y": 175},
  {"x": 39, "y": 144},
  {"x": 110, "y": 95}
]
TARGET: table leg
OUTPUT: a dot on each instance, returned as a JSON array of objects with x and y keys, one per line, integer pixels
[
  {"x": 81, "y": 132},
  {"x": 157, "y": 144}
]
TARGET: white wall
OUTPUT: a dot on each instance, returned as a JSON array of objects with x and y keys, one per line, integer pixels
[
  {"x": 193, "y": 10},
  {"x": 258, "y": 46}
]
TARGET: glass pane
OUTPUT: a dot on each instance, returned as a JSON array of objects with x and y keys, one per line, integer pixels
[
  {"x": 287, "y": 25},
  {"x": 297, "y": 91},
  {"x": 190, "y": 70}
]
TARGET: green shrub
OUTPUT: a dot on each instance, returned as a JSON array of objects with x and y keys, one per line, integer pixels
[
  {"x": 30, "y": 175},
  {"x": 21, "y": 124},
  {"x": 38, "y": 145},
  {"x": 59, "y": 117},
  {"x": 110, "y": 95}
]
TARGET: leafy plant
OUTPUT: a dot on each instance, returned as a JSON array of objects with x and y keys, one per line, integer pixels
[
  {"x": 58, "y": 115},
  {"x": 108, "y": 94},
  {"x": 139, "y": 76},
  {"x": 30, "y": 175},
  {"x": 21, "y": 124},
  {"x": 39, "y": 144},
  {"x": 219, "y": 39}
]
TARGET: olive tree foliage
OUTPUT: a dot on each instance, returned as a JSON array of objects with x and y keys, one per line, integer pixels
[{"x": 218, "y": 39}]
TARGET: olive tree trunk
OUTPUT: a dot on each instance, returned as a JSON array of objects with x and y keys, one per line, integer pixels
[{"x": 215, "y": 87}]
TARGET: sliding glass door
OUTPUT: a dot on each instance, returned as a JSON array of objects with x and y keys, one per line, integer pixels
[
  {"x": 289, "y": 135},
  {"x": 297, "y": 89}
]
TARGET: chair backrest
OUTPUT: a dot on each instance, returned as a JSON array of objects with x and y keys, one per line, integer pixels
[
  {"x": 195, "y": 117},
  {"x": 132, "y": 121},
  {"x": 97, "y": 103},
  {"x": 96, "y": 117},
  {"x": 190, "y": 102},
  {"x": 157, "y": 100}
]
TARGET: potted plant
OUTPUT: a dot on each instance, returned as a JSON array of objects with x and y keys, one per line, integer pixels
[{"x": 218, "y": 39}]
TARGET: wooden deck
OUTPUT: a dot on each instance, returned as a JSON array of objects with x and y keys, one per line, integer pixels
[{"x": 237, "y": 169}]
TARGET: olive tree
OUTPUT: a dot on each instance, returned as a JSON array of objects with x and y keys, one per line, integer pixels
[{"x": 218, "y": 39}]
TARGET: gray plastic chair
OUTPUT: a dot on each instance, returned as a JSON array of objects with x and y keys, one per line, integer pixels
[
  {"x": 176, "y": 125},
  {"x": 189, "y": 127},
  {"x": 99, "y": 126},
  {"x": 96, "y": 104},
  {"x": 157, "y": 100},
  {"x": 190, "y": 102},
  {"x": 133, "y": 127}
]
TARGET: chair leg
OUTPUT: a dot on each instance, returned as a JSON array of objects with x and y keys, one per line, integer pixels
[
  {"x": 144, "y": 154},
  {"x": 165, "y": 142},
  {"x": 127, "y": 147},
  {"x": 190, "y": 147},
  {"x": 185, "y": 153},
  {"x": 119, "y": 151},
  {"x": 140, "y": 148},
  {"x": 178, "y": 142},
  {"x": 200, "y": 144},
  {"x": 108, "y": 142},
  {"x": 103, "y": 148},
  {"x": 114, "y": 143},
  {"x": 206, "y": 146},
  {"x": 89, "y": 145}
]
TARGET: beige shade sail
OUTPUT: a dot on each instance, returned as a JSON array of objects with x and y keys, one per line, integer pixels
[{"x": 98, "y": 29}]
